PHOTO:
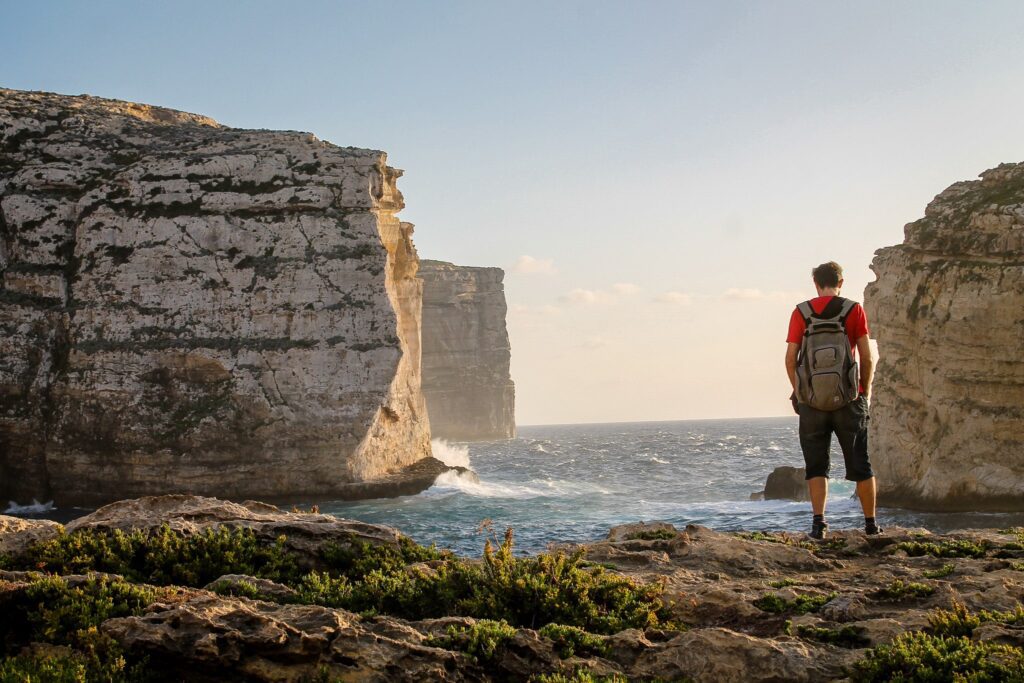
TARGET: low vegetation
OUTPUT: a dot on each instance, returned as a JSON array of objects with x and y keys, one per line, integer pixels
[
  {"x": 483, "y": 641},
  {"x": 973, "y": 549},
  {"x": 571, "y": 641},
  {"x": 942, "y": 572},
  {"x": 801, "y": 604},
  {"x": 921, "y": 657},
  {"x": 900, "y": 590},
  {"x": 165, "y": 557},
  {"x": 960, "y": 622}
]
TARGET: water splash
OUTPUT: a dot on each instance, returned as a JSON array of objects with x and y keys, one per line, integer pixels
[
  {"x": 450, "y": 454},
  {"x": 35, "y": 508}
]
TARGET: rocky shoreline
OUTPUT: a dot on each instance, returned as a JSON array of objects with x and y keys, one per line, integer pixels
[{"x": 211, "y": 590}]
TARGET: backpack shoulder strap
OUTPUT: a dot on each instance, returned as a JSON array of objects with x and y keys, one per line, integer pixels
[
  {"x": 806, "y": 311},
  {"x": 846, "y": 310}
]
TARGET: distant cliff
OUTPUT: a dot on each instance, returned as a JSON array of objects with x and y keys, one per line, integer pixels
[
  {"x": 466, "y": 354},
  {"x": 187, "y": 307},
  {"x": 947, "y": 424}
]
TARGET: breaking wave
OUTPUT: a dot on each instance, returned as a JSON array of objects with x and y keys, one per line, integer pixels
[
  {"x": 450, "y": 454},
  {"x": 34, "y": 508}
]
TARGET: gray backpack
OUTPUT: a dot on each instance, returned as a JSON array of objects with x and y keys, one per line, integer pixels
[{"x": 827, "y": 376}]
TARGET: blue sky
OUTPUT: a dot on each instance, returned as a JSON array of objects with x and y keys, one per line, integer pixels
[{"x": 669, "y": 168}]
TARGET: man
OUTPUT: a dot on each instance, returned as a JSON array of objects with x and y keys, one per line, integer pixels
[{"x": 850, "y": 422}]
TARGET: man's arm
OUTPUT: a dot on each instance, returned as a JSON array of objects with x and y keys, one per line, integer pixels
[
  {"x": 791, "y": 352},
  {"x": 867, "y": 365}
]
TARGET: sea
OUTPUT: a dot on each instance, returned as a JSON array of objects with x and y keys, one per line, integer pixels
[{"x": 570, "y": 483}]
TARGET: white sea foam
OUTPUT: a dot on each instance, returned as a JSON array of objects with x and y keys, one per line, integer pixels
[
  {"x": 450, "y": 454},
  {"x": 539, "y": 448},
  {"x": 32, "y": 509},
  {"x": 658, "y": 460},
  {"x": 470, "y": 484}
]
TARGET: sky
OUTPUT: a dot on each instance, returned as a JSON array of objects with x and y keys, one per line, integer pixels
[{"x": 657, "y": 179}]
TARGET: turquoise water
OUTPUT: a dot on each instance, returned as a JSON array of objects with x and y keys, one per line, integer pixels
[{"x": 572, "y": 482}]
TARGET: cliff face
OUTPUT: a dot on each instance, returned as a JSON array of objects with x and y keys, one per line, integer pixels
[
  {"x": 466, "y": 353},
  {"x": 187, "y": 307},
  {"x": 947, "y": 425}
]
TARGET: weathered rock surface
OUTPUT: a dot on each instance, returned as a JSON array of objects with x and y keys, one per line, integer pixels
[
  {"x": 947, "y": 308},
  {"x": 17, "y": 533},
  {"x": 186, "y": 307},
  {"x": 305, "y": 533},
  {"x": 466, "y": 353}
]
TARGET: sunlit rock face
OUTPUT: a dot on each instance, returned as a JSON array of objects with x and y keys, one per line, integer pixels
[
  {"x": 466, "y": 353},
  {"x": 187, "y": 307},
  {"x": 947, "y": 418}
]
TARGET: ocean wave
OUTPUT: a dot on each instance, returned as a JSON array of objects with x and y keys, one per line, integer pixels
[
  {"x": 34, "y": 508},
  {"x": 472, "y": 485},
  {"x": 450, "y": 454}
]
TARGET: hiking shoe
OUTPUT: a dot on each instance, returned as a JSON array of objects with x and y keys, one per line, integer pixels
[
  {"x": 819, "y": 530},
  {"x": 873, "y": 530}
]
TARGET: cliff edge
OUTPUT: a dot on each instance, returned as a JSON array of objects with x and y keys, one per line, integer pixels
[
  {"x": 466, "y": 353},
  {"x": 187, "y": 307},
  {"x": 947, "y": 420}
]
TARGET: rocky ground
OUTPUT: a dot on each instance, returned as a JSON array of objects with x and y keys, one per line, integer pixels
[{"x": 737, "y": 606}]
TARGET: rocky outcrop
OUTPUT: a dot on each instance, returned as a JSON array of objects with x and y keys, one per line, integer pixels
[
  {"x": 304, "y": 533},
  {"x": 187, "y": 307},
  {"x": 466, "y": 353},
  {"x": 754, "y": 606},
  {"x": 947, "y": 309}
]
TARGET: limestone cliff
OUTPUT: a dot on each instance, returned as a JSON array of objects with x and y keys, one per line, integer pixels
[
  {"x": 947, "y": 308},
  {"x": 187, "y": 307},
  {"x": 466, "y": 353}
]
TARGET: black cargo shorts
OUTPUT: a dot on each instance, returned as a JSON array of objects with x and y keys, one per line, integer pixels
[{"x": 850, "y": 425}]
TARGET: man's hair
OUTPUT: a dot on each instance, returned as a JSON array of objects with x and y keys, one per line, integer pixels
[{"x": 827, "y": 274}]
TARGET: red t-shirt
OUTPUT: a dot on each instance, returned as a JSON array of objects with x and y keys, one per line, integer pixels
[{"x": 856, "y": 323}]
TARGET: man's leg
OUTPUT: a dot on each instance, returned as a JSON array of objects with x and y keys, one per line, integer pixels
[
  {"x": 818, "y": 488},
  {"x": 866, "y": 492},
  {"x": 815, "y": 442},
  {"x": 852, "y": 432}
]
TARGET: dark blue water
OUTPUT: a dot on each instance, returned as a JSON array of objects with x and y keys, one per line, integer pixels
[{"x": 572, "y": 482}]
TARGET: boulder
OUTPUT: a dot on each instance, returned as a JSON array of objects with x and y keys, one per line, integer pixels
[{"x": 786, "y": 483}]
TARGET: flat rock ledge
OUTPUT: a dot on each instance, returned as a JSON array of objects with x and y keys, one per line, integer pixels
[{"x": 715, "y": 583}]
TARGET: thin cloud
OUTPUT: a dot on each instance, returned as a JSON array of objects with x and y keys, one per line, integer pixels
[
  {"x": 754, "y": 294},
  {"x": 585, "y": 296},
  {"x": 625, "y": 288},
  {"x": 529, "y": 265},
  {"x": 674, "y": 298}
]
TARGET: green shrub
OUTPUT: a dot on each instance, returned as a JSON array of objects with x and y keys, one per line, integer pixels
[
  {"x": 100, "y": 660},
  {"x": 359, "y": 558},
  {"x": 482, "y": 641},
  {"x": 578, "y": 676},
  {"x": 525, "y": 592},
  {"x": 900, "y": 590},
  {"x": 56, "y": 612},
  {"x": 166, "y": 557},
  {"x": 847, "y": 636},
  {"x": 555, "y": 588},
  {"x": 959, "y": 622},
  {"x": 244, "y": 589},
  {"x": 944, "y": 548},
  {"x": 919, "y": 657},
  {"x": 942, "y": 572},
  {"x": 802, "y": 604},
  {"x": 570, "y": 641},
  {"x": 6, "y": 561},
  {"x": 1017, "y": 566},
  {"x": 653, "y": 535}
]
